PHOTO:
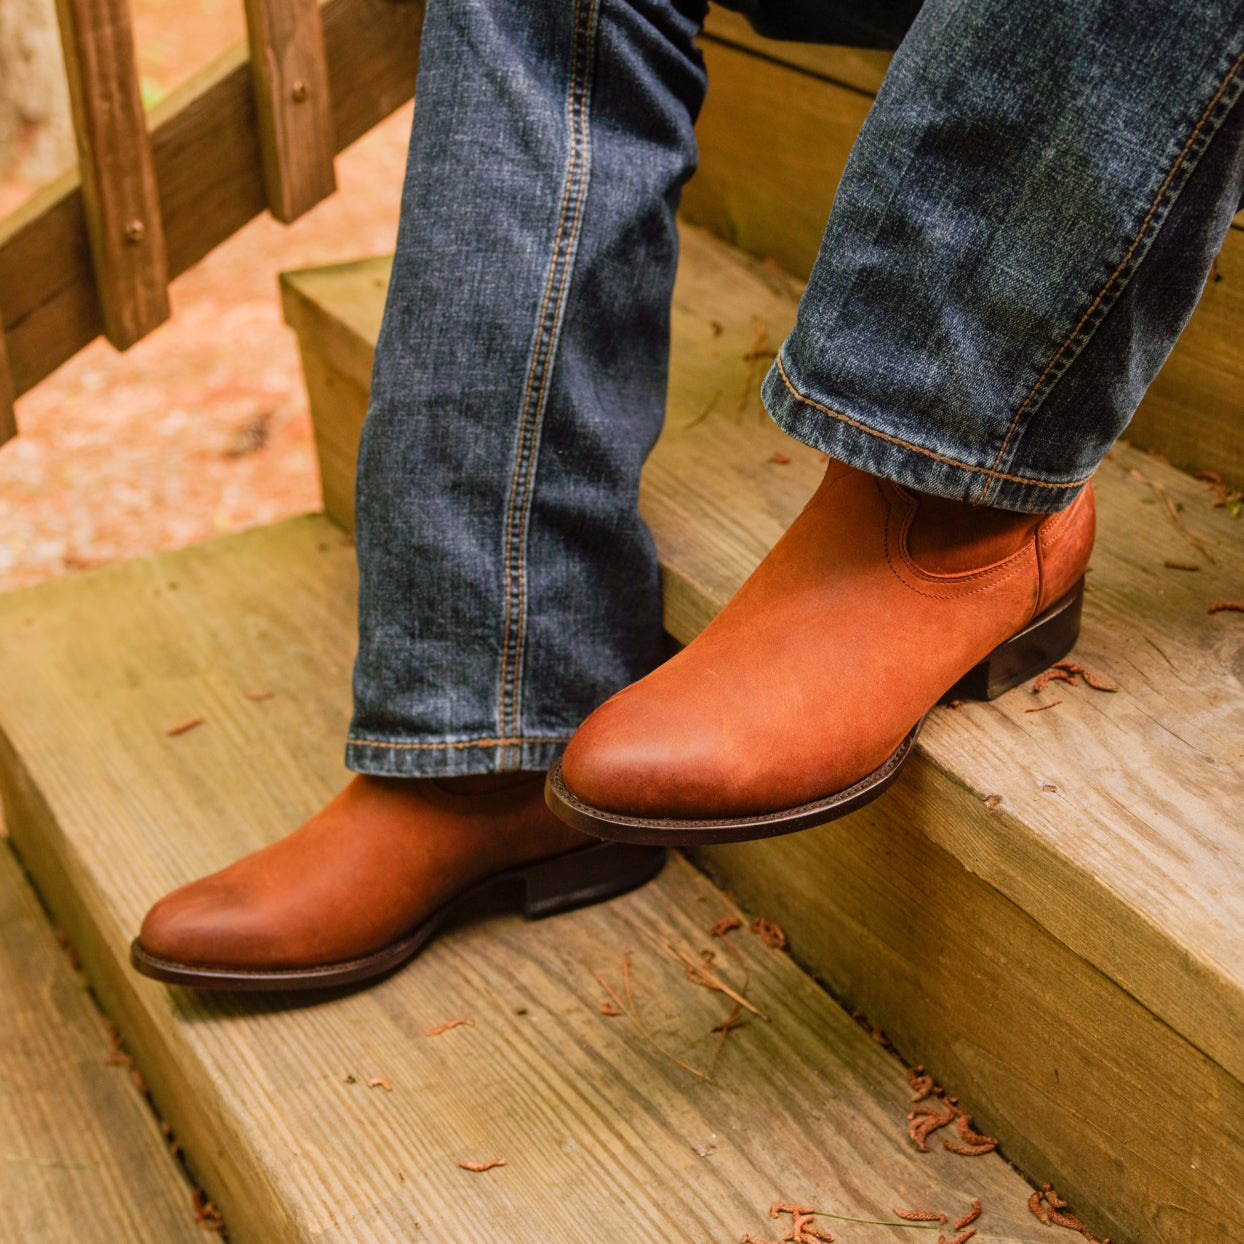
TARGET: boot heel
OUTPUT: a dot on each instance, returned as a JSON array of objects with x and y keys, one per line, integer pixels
[
  {"x": 1043, "y": 641},
  {"x": 587, "y": 876}
]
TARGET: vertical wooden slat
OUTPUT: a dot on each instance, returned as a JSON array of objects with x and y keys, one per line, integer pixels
[
  {"x": 290, "y": 73},
  {"x": 119, "y": 189},
  {"x": 8, "y": 419}
]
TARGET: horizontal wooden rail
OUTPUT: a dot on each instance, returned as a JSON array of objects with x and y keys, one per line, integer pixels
[
  {"x": 209, "y": 169},
  {"x": 118, "y": 180}
]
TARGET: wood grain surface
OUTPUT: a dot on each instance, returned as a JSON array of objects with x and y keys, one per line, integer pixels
[
  {"x": 81, "y": 1155},
  {"x": 773, "y": 142},
  {"x": 1194, "y": 410},
  {"x": 120, "y": 197},
  {"x": 603, "y": 1136},
  {"x": 290, "y": 73},
  {"x": 209, "y": 168},
  {"x": 859, "y": 68}
]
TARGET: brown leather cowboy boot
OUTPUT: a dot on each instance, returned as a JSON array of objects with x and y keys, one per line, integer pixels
[
  {"x": 803, "y": 698},
  {"x": 366, "y": 882}
]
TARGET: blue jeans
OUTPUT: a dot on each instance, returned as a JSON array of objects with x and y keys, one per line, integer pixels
[{"x": 1023, "y": 228}]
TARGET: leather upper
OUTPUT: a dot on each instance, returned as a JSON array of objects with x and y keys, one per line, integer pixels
[{"x": 828, "y": 654}]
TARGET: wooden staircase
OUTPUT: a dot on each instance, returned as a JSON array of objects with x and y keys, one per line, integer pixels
[
  {"x": 337, "y": 1118},
  {"x": 1047, "y": 910},
  {"x": 1049, "y": 907}
]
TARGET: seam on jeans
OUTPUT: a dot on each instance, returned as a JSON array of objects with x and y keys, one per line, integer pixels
[
  {"x": 540, "y": 366},
  {"x": 510, "y": 742},
  {"x": 1123, "y": 263},
  {"x": 919, "y": 449}
]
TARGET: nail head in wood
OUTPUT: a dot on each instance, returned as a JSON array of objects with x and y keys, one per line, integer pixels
[{"x": 289, "y": 70}]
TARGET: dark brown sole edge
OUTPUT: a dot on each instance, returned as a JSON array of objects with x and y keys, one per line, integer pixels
[
  {"x": 546, "y": 887},
  {"x": 1046, "y": 639}
]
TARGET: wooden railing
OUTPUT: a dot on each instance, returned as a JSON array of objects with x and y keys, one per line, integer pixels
[{"x": 153, "y": 193}]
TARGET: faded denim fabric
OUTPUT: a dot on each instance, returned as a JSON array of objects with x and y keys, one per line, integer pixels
[
  {"x": 1024, "y": 225},
  {"x": 507, "y": 583}
]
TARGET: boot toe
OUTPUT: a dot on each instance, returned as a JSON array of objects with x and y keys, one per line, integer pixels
[{"x": 204, "y": 925}]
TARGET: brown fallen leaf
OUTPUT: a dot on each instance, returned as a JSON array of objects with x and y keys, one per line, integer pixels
[
  {"x": 971, "y": 1216},
  {"x": 607, "y": 1008},
  {"x": 961, "y": 1238},
  {"x": 482, "y": 1166},
  {"x": 1227, "y": 606},
  {"x": 994, "y": 801},
  {"x": 205, "y": 1213},
  {"x": 969, "y": 1151},
  {"x": 380, "y": 1082},
  {"x": 920, "y": 1215},
  {"x": 1068, "y": 671},
  {"x": 257, "y": 693},
  {"x": 925, "y": 1120},
  {"x": 921, "y": 1085},
  {"x": 1042, "y": 707},
  {"x": 724, "y": 925},
  {"x": 768, "y": 932},
  {"x": 436, "y": 1030},
  {"x": 182, "y": 726}
]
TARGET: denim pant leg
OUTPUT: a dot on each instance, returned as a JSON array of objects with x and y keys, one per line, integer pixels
[
  {"x": 507, "y": 583},
  {"x": 1024, "y": 226}
]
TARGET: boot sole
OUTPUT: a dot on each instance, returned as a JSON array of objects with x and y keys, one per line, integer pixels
[
  {"x": 1046, "y": 639},
  {"x": 543, "y": 888}
]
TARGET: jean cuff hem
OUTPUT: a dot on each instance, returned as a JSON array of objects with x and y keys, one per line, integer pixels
[
  {"x": 836, "y": 430},
  {"x": 432, "y": 758}
]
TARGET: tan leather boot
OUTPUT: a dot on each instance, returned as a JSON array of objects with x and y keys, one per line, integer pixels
[
  {"x": 803, "y": 698},
  {"x": 363, "y": 885}
]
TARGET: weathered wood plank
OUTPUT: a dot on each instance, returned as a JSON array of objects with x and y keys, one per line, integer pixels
[
  {"x": 8, "y": 419},
  {"x": 210, "y": 173},
  {"x": 773, "y": 143},
  {"x": 597, "y": 1129},
  {"x": 1194, "y": 410},
  {"x": 1136, "y": 1126},
  {"x": 118, "y": 180},
  {"x": 290, "y": 73},
  {"x": 861, "y": 69},
  {"x": 81, "y": 1155}
]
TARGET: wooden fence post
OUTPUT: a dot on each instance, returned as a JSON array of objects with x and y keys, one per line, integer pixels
[
  {"x": 119, "y": 189},
  {"x": 8, "y": 419},
  {"x": 290, "y": 74}
]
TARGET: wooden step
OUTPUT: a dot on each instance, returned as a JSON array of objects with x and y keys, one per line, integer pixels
[
  {"x": 1049, "y": 907},
  {"x": 280, "y": 1105},
  {"x": 81, "y": 1154}
]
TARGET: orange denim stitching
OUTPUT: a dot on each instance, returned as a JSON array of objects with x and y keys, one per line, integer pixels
[
  {"x": 919, "y": 449},
  {"x": 576, "y": 223},
  {"x": 1153, "y": 207},
  {"x": 512, "y": 571},
  {"x": 561, "y": 738},
  {"x": 509, "y": 517}
]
